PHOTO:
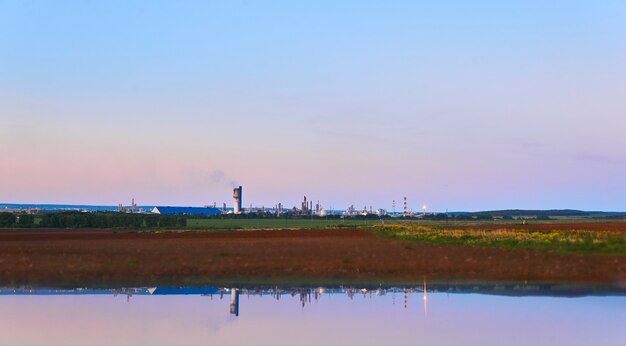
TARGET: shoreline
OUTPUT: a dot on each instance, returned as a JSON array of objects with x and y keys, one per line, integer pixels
[{"x": 509, "y": 289}]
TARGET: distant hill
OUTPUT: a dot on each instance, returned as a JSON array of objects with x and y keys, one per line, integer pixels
[
  {"x": 521, "y": 212},
  {"x": 541, "y": 213}
]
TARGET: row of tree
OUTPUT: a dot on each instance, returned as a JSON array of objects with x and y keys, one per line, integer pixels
[
  {"x": 110, "y": 220},
  {"x": 93, "y": 220},
  {"x": 479, "y": 217},
  {"x": 16, "y": 220}
]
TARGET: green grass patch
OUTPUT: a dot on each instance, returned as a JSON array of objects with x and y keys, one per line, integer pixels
[
  {"x": 562, "y": 241},
  {"x": 276, "y": 223},
  {"x": 133, "y": 262}
]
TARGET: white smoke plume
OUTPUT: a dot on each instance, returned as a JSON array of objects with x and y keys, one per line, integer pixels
[{"x": 218, "y": 177}]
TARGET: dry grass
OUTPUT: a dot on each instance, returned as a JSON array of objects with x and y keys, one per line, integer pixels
[{"x": 558, "y": 240}]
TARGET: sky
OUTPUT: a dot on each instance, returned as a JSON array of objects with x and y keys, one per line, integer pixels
[{"x": 459, "y": 105}]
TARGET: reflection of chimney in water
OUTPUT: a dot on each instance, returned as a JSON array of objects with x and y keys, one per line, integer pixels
[
  {"x": 406, "y": 297},
  {"x": 234, "y": 301},
  {"x": 425, "y": 298}
]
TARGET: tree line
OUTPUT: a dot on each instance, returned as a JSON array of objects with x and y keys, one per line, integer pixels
[
  {"x": 93, "y": 220},
  {"x": 19, "y": 220}
]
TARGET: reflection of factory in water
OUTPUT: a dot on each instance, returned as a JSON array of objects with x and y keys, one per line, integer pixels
[{"x": 309, "y": 295}]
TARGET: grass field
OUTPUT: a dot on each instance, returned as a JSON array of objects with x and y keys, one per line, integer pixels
[
  {"x": 237, "y": 223},
  {"x": 578, "y": 238},
  {"x": 441, "y": 224},
  {"x": 275, "y": 223}
]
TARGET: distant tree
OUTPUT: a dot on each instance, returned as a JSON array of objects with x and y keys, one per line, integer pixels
[
  {"x": 26, "y": 220},
  {"x": 151, "y": 221},
  {"x": 168, "y": 221},
  {"x": 7, "y": 219},
  {"x": 440, "y": 216}
]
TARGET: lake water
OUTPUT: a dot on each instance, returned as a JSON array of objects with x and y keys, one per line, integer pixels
[{"x": 468, "y": 315}]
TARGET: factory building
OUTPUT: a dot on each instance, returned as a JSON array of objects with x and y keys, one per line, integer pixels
[
  {"x": 185, "y": 211},
  {"x": 305, "y": 207}
]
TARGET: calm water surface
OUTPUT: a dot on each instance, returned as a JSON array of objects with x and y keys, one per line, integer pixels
[{"x": 400, "y": 316}]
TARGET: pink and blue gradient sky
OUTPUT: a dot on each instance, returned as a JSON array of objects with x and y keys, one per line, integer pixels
[{"x": 460, "y": 105}]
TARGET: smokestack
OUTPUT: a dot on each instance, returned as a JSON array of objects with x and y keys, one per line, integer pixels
[
  {"x": 237, "y": 199},
  {"x": 406, "y": 208}
]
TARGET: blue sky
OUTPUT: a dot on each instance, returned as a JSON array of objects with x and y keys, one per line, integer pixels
[{"x": 456, "y": 104}]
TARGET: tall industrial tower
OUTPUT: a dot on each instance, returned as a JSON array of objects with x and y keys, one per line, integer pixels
[
  {"x": 237, "y": 197},
  {"x": 305, "y": 207},
  {"x": 406, "y": 208}
]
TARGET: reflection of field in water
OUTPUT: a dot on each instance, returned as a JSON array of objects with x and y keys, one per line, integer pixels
[{"x": 517, "y": 315}]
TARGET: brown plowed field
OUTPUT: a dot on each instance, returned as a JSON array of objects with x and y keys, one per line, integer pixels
[{"x": 105, "y": 258}]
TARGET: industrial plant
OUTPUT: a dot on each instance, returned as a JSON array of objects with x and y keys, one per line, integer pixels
[{"x": 307, "y": 207}]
